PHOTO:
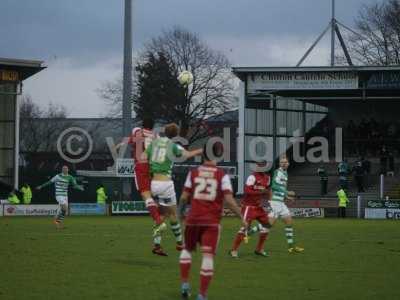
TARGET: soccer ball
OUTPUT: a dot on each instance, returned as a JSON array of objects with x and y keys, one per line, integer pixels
[{"x": 185, "y": 78}]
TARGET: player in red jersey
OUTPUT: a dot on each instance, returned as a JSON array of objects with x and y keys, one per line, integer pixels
[
  {"x": 206, "y": 187},
  {"x": 256, "y": 192},
  {"x": 140, "y": 139}
]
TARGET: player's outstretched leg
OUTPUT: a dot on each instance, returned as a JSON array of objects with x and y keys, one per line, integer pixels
[
  {"x": 237, "y": 241},
  {"x": 157, "y": 249},
  {"x": 185, "y": 263},
  {"x": 206, "y": 274},
  {"x": 261, "y": 241}
]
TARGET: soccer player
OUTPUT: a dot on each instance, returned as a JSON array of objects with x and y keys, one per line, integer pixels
[
  {"x": 278, "y": 207},
  {"x": 256, "y": 192},
  {"x": 62, "y": 182},
  {"x": 140, "y": 139},
  {"x": 161, "y": 154},
  {"x": 206, "y": 187}
]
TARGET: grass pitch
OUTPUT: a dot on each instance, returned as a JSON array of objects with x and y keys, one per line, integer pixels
[{"x": 110, "y": 258}]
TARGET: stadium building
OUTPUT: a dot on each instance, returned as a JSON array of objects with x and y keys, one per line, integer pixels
[
  {"x": 12, "y": 74},
  {"x": 279, "y": 103}
]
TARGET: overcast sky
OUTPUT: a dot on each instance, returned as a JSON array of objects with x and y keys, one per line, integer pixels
[{"x": 81, "y": 40}]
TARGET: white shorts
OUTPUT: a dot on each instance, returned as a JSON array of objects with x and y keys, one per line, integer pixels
[
  {"x": 279, "y": 210},
  {"x": 62, "y": 200},
  {"x": 163, "y": 192}
]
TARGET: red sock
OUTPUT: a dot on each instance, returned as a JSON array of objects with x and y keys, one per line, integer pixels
[
  {"x": 185, "y": 262},
  {"x": 206, "y": 273},
  {"x": 261, "y": 242},
  {"x": 153, "y": 210},
  {"x": 238, "y": 240},
  {"x": 205, "y": 279}
]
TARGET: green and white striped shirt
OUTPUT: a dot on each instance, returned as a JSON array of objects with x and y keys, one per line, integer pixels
[
  {"x": 279, "y": 185},
  {"x": 61, "y": 184}
]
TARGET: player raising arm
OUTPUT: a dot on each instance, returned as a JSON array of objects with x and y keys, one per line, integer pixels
[
  {"x": 140, "y": 139},
  {"x": 206, "y": 187},
  {"x": 161, "y": 154},
  {"x": 62, "y": 182}
]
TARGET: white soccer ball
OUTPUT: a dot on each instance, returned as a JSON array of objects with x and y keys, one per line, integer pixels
[{"x": 185, "y": 78}]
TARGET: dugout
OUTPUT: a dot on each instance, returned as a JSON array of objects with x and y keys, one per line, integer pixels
[
  {"x": 277, "y": 103},
  {"x": 12, "y": 74}
]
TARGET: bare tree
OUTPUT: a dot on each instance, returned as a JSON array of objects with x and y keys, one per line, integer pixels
[
  {"x": 378, "y": 41},
  {"x": 37, "y": 134},
  {"x": 212, "y": 90}
]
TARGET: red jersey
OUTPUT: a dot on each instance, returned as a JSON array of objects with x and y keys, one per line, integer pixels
[
  {"x": 140, "y": 139},
  {"x": 252, "y": 194},
  {"x": 207, "y": 186}
]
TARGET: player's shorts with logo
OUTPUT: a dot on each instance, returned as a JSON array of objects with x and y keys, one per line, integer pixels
[
  {"x": 207, "y": 236},
  {"x": 278, "y": 210},
  {"x": 252, "y": 213},
  {"x": 142, "y": 177},
  {"x": 163, "y": 192},
  {"x": 62, "y": 200}
]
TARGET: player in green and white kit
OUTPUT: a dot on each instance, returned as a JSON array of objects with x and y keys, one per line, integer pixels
[
  {"x": 278, "y": 207},
  {"x": 160, "y": 154},
  {"x": 61, "y": 182}
]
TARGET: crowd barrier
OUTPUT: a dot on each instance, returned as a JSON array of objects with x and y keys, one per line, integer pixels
[
  {"x": 382, "y": 209},
  {"x": 371, "y": 209}
]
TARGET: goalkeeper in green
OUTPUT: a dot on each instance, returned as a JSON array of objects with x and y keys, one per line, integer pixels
[{"x": 61, "y": 182}]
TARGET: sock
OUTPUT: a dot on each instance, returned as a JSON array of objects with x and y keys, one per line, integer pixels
[
  {"x": 185, "y": 262},
  {"x": 289, "y": 235},
  {"x": 153, "y": 210},
  {"x": 157, "y": 241},
  {"x": 176, "y": 229},
  {"x": 60, "y": 214},
  {"x": 206, "y": 273},
  {"x": 262, "y": 238},
  {"x": 238, "y": 240}
]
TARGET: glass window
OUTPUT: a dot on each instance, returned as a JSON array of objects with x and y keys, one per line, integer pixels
[
  {"x": 281, "y": 122},
  {"x": 281, "y": 103},
  {"x": 250, "y": 121},
  {"x": 6, "y": 162},
  {"x": 310, "y": 107},
  {"x": 6, "y": 134},
  {"x": 258, "y": 147},
  {"x": 294, "y": 122},
  {"x": 265, "y": 124},
  {"x": 7, "y": 103},
  {"x": 295, "y": 105}
]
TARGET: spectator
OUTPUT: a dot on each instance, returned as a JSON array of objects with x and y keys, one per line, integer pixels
[
  {"x": 323, "y": 177},
  {"x": 343, "y": 170},
  {"x": 101, "y": 195},
  {"x": 26, "y": 193},
  {"x": 13, "y": 198},
  {"x": 383, "y": 160},
  {"x": 358, "y": 171},
  {"x": 366, "y": 165},
  {"x": 343, "y": 201}
]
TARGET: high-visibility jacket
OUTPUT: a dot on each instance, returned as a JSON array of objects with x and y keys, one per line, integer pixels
[
  {"x": 101, "y": 196},
  {"x": 13, "y": 199},
  {"x": 343, "y": 200},
  {"x": 26, "y": 194}
]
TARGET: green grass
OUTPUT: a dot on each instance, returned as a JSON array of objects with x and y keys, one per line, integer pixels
[{"x": 109, "y": 258}]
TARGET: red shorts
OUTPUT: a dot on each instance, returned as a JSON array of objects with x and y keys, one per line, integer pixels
[
  {"x": 206, "y": 236},
  {"x": 142, "y": 177},
  {"x": 251, "y": 213}
]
